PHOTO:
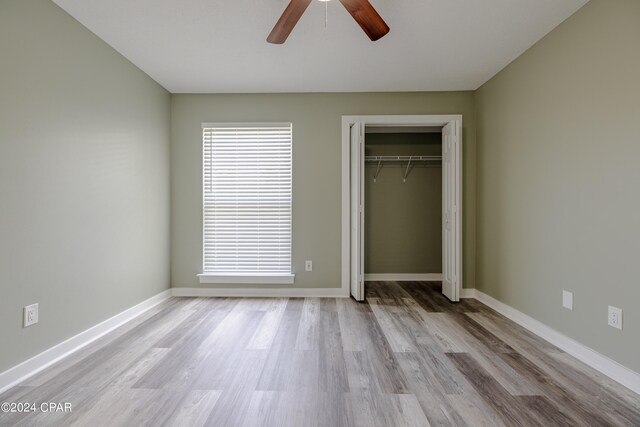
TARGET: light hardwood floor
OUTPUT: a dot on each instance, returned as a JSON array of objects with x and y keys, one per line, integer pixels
[{"x": 406, "y": 357}]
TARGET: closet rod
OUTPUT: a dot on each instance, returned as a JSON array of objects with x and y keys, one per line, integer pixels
[{"x": 382, "y": 159}]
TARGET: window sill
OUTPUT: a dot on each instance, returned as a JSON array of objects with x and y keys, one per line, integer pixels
[{"x": 247, "y": 279}]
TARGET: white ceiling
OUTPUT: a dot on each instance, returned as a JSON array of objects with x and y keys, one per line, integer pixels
[{"x": 216, "y": 46}]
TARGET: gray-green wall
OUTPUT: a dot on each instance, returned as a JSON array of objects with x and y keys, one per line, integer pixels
[
  {"x": 84, "y": 179},
  {"x": 317, "y": 187},
  {"x": 403, "y": 220},
  {"x": 558, "y": 177}
]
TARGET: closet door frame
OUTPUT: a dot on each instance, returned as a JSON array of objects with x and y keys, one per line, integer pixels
[{"x": 349, "y": 162}]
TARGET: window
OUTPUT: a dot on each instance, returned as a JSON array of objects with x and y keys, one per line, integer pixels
[{"x": 247, "y": 203}]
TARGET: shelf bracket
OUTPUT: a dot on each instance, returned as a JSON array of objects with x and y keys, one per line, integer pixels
[
  {"x": 375, "y": 176},
  {"x": 406, "y": 172}
]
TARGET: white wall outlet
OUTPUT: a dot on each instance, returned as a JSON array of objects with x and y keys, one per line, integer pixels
[
  {"x": 615, "y": 317},
  {"x": 308, "y": 265},
  {"x": 30, "y": 315},
  {"x": 567, "y": 300}
]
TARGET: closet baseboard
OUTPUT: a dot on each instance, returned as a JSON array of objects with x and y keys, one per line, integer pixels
[{"x": 403, "y": 277}]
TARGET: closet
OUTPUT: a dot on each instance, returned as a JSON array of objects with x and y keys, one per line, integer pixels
[{"x": 403, "y": 203}]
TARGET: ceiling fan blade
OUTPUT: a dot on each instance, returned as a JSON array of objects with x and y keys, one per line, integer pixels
[
  {"x": 367, "y": 17},
  {"x": 287, "y": 21}
]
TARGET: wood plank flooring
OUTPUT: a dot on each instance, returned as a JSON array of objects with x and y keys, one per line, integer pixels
[{"x": 406, "y": 357}]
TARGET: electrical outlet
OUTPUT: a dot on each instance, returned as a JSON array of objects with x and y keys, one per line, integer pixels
[
  {"x": 567, "y": 300},
  {"x": 30, "y": 315},
  {"x": 308, "y": 265},
  {"x": 615, "y": 317}
]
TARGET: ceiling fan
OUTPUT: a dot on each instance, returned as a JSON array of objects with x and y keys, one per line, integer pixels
[{"x": 361, "y": 10}]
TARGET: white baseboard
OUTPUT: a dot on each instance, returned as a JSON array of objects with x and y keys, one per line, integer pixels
[
  {"x": 261, "y": 292},
  {"x": 30, "y": 367},
  {"x": 403, "y": 277},
  {"x": 467, "y": 293},
  {"x": 592, "y": 358}
]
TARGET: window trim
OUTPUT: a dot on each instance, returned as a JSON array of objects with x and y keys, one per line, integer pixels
[
  {"x": 248, "y": 279},
  {"x": 244, "y": 278}
]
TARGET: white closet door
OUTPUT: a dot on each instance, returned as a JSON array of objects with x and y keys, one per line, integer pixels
[
  {"x": 451, "y": 242},
  {"x": 357, "y": 211}
]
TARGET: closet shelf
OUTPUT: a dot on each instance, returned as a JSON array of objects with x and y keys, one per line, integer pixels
[{"x": 411, "y": 161}]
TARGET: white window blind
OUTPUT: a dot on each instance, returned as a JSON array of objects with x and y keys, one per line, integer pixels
[{"x": 247, "y": 199}]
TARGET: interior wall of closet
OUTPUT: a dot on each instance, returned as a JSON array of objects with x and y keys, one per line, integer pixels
[{"x": 403, "y": 203}]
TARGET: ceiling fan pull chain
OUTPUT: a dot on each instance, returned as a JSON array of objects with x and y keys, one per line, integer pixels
[{"x": 326, "y": 13}]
